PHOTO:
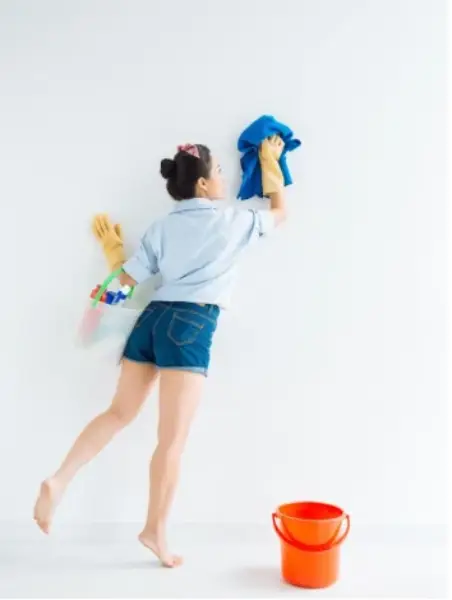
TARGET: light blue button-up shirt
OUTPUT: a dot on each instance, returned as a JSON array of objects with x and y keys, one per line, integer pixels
[{"x": 196, "y": 249}]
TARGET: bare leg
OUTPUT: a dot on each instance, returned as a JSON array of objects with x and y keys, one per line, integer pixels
[
  {"x": 180, "y": 393},
  {"x": 134, "y": 385}
]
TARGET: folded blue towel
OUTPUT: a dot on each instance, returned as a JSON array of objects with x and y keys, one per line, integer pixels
[{"x": 249, "y": 142}]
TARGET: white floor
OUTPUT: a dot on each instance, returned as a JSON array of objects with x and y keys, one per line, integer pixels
[{"x": 220, "y": 562}]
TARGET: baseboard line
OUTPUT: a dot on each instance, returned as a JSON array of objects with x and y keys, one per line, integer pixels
[{"x": 104, "y": 532}]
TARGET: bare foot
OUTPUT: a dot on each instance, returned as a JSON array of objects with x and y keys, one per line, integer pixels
[
  {"x": 46, "y": 503},
  {"x": 157, "y": 545}
]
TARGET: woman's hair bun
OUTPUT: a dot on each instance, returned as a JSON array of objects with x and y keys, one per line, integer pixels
[{"x": 168, "y": 168}]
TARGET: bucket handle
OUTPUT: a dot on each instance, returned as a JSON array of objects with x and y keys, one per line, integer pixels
[
  {"x": 105, "y": 285},
  {"x": 333, "y": 542}
]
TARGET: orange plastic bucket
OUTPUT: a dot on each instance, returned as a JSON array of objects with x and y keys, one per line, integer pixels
[{"x": 311, "y": 534}]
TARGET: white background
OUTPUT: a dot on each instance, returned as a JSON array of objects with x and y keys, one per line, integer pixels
[{"x": 328, "y": 376}]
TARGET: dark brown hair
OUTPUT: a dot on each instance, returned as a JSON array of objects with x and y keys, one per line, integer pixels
[{"x": 183, "y": 171}]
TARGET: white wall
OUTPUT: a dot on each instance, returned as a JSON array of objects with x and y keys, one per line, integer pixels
[{"x": 328, "y": 376}]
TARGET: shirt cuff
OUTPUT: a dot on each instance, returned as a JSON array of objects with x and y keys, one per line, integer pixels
[
  {"x": 266, "y": 220},
  {"x": 136, "y": 269}
]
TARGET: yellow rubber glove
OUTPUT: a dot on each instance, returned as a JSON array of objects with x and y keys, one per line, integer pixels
[
  {"x": 269, "y": 155},
  {"x": 110, "y": 238}
]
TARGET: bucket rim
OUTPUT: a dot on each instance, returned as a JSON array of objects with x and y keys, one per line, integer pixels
[{"x": 280, "y": 512}]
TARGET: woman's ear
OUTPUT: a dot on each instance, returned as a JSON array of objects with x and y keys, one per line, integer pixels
[{"x": 202, "y": 184}]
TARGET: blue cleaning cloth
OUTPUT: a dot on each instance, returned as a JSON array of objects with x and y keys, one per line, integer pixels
[{"x": 249, "y": 142}]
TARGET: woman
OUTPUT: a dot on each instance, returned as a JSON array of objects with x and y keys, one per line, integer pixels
[{"x": 195, "y": 249}]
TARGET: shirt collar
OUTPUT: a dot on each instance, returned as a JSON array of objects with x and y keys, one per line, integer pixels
[{"x": 193, "y": 204}]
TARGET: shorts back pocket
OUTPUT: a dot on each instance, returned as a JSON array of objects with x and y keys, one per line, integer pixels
[{"x": 183, "y": 330}]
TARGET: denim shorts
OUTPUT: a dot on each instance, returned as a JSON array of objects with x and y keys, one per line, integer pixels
[{"x": 174, "y": 335}]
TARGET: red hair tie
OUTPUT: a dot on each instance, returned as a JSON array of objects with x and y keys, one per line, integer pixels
[{"x": 189, "y": 149}]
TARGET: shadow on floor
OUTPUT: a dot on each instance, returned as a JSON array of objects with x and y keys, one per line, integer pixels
[{"x": 262, "y": 581}]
